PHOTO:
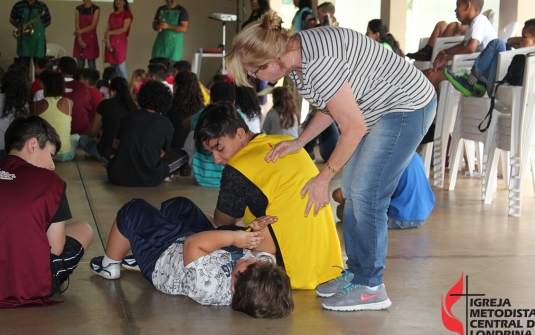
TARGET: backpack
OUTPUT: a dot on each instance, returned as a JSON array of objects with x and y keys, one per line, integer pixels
[{"x": 514, "y": 77}]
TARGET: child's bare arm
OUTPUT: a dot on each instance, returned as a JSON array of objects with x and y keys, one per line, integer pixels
[
  {"x": 201, "y": 244},
  {"x": 56, "y": 237}
]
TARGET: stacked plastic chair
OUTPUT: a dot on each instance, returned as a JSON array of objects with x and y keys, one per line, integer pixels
[
  {"x": 514, "y": 132},
  {"x": 446, "y": 114}
]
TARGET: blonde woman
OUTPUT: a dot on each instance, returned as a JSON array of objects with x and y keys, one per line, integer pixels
[{"x": 383, "y": 106}]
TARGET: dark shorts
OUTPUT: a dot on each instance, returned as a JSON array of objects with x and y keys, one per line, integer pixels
[
  {"x": 62, "y": 266},
  {"x": 151, "y": 230}
]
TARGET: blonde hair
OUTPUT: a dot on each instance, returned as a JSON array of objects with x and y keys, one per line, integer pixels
[{"x": 256, "y": 45}]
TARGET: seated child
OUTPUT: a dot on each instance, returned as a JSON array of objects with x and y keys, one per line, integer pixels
[
  {"x": 180, "y": 252},
  {"x": 205, "y": 170},
  {"x": 282, "y": 118},
  {"x": 158, "y": 72},
  {"x": 412, "y": 201},
  {"x": 90, "y": 77},
  {"x": 38, "y": 251},
  {"x": 58, "y": 112},
  {"x": 41, "y": 64},
  {"x": 108, "y": 74},
  {"x": 479, "y": 33},
  {"x": 143, "y": 141},
  {"x": 483, "y": 74},
  {"x": 138, "y": 78},
  {"x": 184, "y": 65}
]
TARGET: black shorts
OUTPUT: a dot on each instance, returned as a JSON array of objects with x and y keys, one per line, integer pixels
[{"x": 62, "y": 266}]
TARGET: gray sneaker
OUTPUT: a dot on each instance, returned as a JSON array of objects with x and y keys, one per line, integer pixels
[
  {"x": 334, "y": 286},
  {"x": 353, "y": 297}
]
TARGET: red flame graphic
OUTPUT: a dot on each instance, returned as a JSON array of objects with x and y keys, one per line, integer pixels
[{"x": 450, "y": 321}]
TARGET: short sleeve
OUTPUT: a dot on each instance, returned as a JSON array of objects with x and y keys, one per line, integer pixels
[
  {"x": 157, "y": 16},
  {"x": 232, "y": 199},
  {"x": 184, "y": 16},
  {"x": 63, "y": 213},
  {"x": 326, "y": 76},
  {"x": 208, "y": 279},
  {"x": 14, "y": 12},
  {"x": 268, "y": 121},
  {"x": 46, "y": 16},
  {"x": 128, "y": 15}
]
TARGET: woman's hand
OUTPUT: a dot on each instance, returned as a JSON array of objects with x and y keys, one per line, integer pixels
[
  {"x": 76, "y": 33},
  {"x": 108, "y": 44},
  {"x": 318, "y": 195},
  {"x": 282, "y": 149},
  {"x": 243, "y": 239},
  {"x": 261, "y": 222},
  {"x": 82, "y": 43},
  {"x": 107, "y": 34}
]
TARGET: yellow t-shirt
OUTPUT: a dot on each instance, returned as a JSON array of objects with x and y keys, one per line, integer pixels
[{"x": 308, "y": 247}]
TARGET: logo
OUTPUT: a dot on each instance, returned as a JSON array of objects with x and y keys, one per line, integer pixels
[
  {"x": 6, "y": 175},
  {"x": 365, "y": 298},
  {"x": 484, "y": 316}
]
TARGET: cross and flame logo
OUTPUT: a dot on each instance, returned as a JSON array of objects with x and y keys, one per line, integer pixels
[{"x": 450, "y": 321}]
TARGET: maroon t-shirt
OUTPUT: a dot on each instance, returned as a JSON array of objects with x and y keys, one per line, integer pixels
[
  {"x": 31, "y": 198},
  {"x": 81, "y": 109}
]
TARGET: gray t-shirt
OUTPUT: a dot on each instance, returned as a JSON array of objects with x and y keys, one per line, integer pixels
[
  {"x": 207, "y": 280},
  {"x": 272, "y": 125}
]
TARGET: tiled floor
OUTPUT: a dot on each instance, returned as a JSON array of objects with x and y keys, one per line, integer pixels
[{"x": 462, "y": 235}]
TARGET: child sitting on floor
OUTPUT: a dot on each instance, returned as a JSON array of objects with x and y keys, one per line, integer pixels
[{"x": 180, "y": 252}]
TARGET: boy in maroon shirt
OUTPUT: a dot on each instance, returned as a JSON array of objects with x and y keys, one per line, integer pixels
[
  {"x": 38, "y": 251},
  {"x": 89, "y": 78},
  {"x": 78, "y": 93}
]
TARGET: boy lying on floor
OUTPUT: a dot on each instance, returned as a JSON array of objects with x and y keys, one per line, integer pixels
[{"x": 179, "y": 251}]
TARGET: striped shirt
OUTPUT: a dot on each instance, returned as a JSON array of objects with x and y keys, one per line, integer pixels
[
  {"x": 17, "y": 12},
  {"x": 381, "y": 81}
]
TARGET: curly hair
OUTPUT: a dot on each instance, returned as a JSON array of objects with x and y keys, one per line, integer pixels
[
  {"x": 284, "y": 104},
  {"x": 155, "y": 96},
  {"x": 247, "y": 100},
  {"x": 17, "y": 92},
  {"x": 263, "y": 290},
  {"x": 188, "y": 97}
]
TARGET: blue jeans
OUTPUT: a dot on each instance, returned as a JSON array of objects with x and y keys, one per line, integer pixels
[
  {"x": 89, "y": 145},
  {"x": 121, "y": 69},
  {"x": 370, "y": 178},
  {"x": 486, "y": 64},
  {"x": 91, "y": 63}
]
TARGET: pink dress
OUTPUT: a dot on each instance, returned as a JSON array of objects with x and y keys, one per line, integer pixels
[
  {"x": 119, "y": 42},
  {"x": 91, "y": 51}
]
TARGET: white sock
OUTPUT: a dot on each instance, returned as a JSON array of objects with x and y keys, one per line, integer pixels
[
  {"x": 374, "y": 288},
  {"x": 107, "y": 261}
]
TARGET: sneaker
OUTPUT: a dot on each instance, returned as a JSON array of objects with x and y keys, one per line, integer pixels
[
  {"x": 480, "y": 89},
  {"x": 129, "y": 263},
  {"x": 459, "y": 82},
  {"x": 424, "y": 54},
  {"x": 353, "y": 297},
  {"x": 112, "y": 271},
  {"x": 332, "y": 287}
]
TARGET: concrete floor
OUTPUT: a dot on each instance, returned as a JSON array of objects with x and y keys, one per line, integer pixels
[{"x": 461, "y": 235}]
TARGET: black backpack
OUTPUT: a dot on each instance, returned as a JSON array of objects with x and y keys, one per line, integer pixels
[{"x": 514, "y": 77}]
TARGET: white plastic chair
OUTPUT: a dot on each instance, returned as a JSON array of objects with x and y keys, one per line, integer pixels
[
  {"x": 514, "y": 133},
  {"x": 55, "y": 50},
  {"x": 445, "y": 119},
  {"x": 508, "y": 31},
  {"x": 441, "y": 43},
  {"x": 489, "y": 13}
]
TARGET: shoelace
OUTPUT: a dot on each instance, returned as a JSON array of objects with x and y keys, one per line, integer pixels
[
  {"x": 343, "y": 276},
  {"x": 347, "y": 288}
]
